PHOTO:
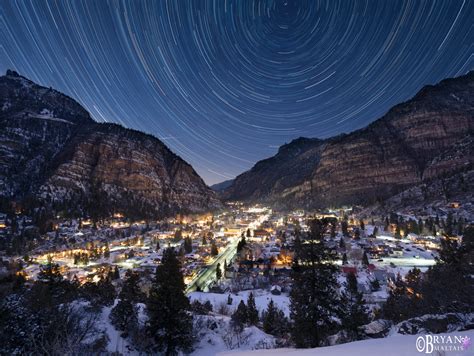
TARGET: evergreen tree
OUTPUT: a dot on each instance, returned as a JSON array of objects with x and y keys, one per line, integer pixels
[
  {"x": 344, "y": 227},
  {"x": 252, "y": 312},
  {"x": 188, "y": 245},
  {"x": 106, "y": 251},
  {"x": 353, "y": 310},
  {"x": 51, "y": 288},
  {"x": 116, "y": 273},
  {"x": 375, "y": 285},
  {"x": 248, "y": 232},
  {"x": 124, "y": 316},
  {"x": 214, "y": 250},
  {"x": 375, "y": 232},
  {"x": 405, "y": 297},
  {"x": 269, "y": 318},
  {"x": 395, "y": 306},
  {"x": 448, "y": 230},
  {"x": 453, "y": 270},
  {"x": 365, "y": 259},
  {"x": 357, "y": 234},
  {"x": 239, "y": 317},
  {"x": 241, "y": 243},
  {"x": 274, "y": 320},
  {"x": 344, "y": 259},
  {"x": 397, "y": 232},
  {"x": 229, "y": 300},
  {"x": 341, "y": 243},
  {"x": 170, "y": 322},
  {"x": 218, "y": 272},
  {"x": 178, "y": 235},
  {"x": 314, "y": 297}
]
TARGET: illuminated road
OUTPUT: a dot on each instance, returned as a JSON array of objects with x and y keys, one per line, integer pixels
[{"x": 208, "y": 273}]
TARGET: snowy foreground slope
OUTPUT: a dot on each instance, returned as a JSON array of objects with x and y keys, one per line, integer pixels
[{"x": 395, "y": 345}]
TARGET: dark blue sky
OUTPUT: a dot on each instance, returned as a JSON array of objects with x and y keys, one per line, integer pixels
[{"x": 224, "y": 83}]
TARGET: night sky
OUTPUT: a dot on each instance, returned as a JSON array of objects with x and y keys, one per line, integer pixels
[{"x": 224, "y": 83}]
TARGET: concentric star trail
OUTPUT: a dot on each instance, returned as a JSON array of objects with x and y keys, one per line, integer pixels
[{"x": 224, "y": 82}]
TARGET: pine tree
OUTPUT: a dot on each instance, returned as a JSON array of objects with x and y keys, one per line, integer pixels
[
  {"x": 357, "y": 234},
  {"x": 229, "y": 300},
  {"x": 170, "y": 322},
  {"x": 274, "y": 320},
  {"x": 333, "y": 230},
  {"x": 106, "y": 251},
  {"x": 449, "y": 225},
  {"x": 188, "y": 245},
  {"x": 178, "y": 235},
  {"x": 344, "y": 259},
  {"x": 214, "y": 250},
  {"x": 116, "y": 274},
  {"x": 124, "y": 316},
  {"x": 397, "y": 232},
  {"x": 313, "y": 296},
  {"x": 395, "y": 306},
  {"x": 252, "y": 312},
  {"x": 341, "y": 243},
  {"x": 344, "y": 227},
  {"x": 218, "y": 272},
  {"x": 453, "y": 270},
  {"x": 375, "y": 232},
  {"x": 241, "y": 243},
  {"x": 353, "y": 310},
  {"x": 269, "y": 318},
  {"x": 239, "y": 317},
  {"x": 365, "y": 260},
  {"x": 375, "y": 285}
]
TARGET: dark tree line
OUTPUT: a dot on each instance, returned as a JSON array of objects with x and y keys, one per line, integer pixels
[{"x": 446, "y": 287}]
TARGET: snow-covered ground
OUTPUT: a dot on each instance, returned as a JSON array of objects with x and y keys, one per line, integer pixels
[
  {"x": 396, "y": 345},
  {"x": 262, "y": 298},
  {"x": 215, "y": 335}
]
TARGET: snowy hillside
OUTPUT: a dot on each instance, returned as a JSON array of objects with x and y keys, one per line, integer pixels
[{"x": 397, "y": 345}]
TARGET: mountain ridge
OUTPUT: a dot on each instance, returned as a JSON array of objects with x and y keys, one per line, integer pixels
[
  {"x": 372, "y": 163},
  {"x": 54, "y": 153}
]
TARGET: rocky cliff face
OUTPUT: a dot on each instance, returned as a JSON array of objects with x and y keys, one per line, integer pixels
[
  {"x": 51, "y": 149},
  {"x": 414, "y": 141}
]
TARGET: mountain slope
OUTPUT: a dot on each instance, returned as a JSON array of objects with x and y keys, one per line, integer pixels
[
  {"x": 393, "y": 153},
  {"x": 219, "y": 187},
  {"x": 51, "y": 150}
]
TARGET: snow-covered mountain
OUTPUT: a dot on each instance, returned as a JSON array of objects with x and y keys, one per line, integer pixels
[{"x": 54, "y": 153}]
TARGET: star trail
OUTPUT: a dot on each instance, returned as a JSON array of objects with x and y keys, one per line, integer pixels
[{"x": 224, "y": 83}]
